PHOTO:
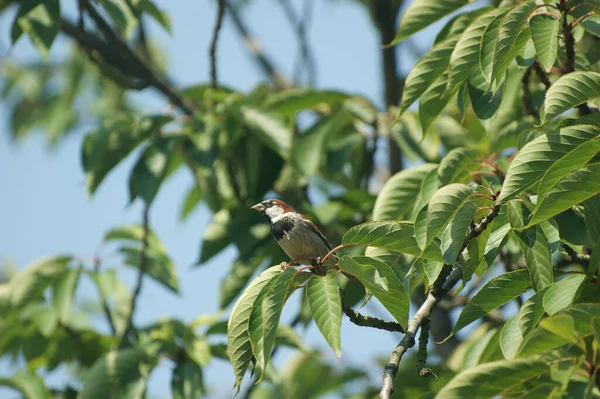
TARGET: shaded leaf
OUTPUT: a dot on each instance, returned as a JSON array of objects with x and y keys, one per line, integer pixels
[
  {"x": 269, "y": 128},
  {"x": 536, "y": 250},
  {"x": 323, "y": 296},
  {"x": 511, "y": 338},
  {"x": 443, "y": 207},
  {"x": 64, "y": 291},
  {"x": 457, "y": 165},
  {"x": 561, "y": 294},
  {"x": 40, "y": 20}
]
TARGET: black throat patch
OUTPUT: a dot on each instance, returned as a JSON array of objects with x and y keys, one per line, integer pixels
[{"x": 282, "y": 226}]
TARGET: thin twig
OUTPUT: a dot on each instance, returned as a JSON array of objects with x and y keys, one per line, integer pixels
[
  {"x": 213, "y": 43},
  {"x": 143, "y": 263},
  {"x": 542, "y": 76},
  {"x": 576, "y": 257},
  {"x": 368, "y": 321}
]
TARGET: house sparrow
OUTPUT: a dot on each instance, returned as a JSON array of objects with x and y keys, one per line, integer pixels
[{"x": 299, "y": 238}]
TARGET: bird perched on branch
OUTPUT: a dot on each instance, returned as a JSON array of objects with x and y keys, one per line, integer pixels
[{"x": 299, "y": 238}]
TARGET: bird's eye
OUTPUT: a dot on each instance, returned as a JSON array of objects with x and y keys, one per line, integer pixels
[{"x": 270, "y": 204}]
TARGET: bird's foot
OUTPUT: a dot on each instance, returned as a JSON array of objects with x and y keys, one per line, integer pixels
[{"x": 285, "y": 265}]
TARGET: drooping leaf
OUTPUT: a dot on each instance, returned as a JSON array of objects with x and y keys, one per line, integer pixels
[
  {"x": 239, "y": 348},
  {"x": 264, "y": 318},
  {"x": 192, "y": 199},
  {"x": 29, "y": 284},
  {"x": 544, "y": 33},
  {"x": 531, "y": 312},
  {"x": 561, "y": 294},
  {"x": 511, "y": 338},
  {"x": 119, "y": 373},
  {"x": 568, "y": 91},
  {"x": 536, "y": 250},
  {"x": 382, "y": 282},
  {"x": 269, "y": 128},
  {"x": 427, "y": 69},
  {"x": 30, "y": 385},
  {"x": 512, "y": 36},
  {"x": 443, "y": 207},
  {"x": 323, "y": 296},
  {"x": 422, "y": 13},
  {"x": 536, "y": 157},
  {"x": 396, "y": 199},
  {"x": 575, "y": 187},
  {"x": 455, "y": 232},
  {"x": 492, "y": 379},
  {"x": 433, "y": 101},
  {"x": 64, "y": 292},
  {"x": 482, "y": 78},
  {"x": 495, "y": 293},
  {"x": 186, "y": 381},
  {"x": 391, "y": 235},
  {"x": 466, "y": 52},
  {"x": 40, "y": 20}
]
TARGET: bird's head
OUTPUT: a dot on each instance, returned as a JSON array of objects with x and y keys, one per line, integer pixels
[{"x": 272, "y": 208}]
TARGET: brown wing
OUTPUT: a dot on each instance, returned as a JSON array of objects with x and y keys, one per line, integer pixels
[{"x": 315, "y": 229}]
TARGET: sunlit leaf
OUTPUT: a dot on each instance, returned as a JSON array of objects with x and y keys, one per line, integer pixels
[
  {"x": 568, "y": 91},
  {"x": 536, "y": 249},
  {"x": 325, "y": 304},
  {"x": 544, "y": 33},
  {"x": 443, "y": 207},
  {"x": 561, "y": 294}
]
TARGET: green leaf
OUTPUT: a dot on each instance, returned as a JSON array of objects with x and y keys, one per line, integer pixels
[
  {"x": 561, "y": 294},
  {"x": 157, "y": 14},
  {"x": 427, "y": 69},
  {"x": 390, "y": 235},
  {"x": 457, "y": 165},
  {"x": 532, "y": 311},
  {"x": 495, "y": 293},
  {"x": 455, "y": 232},
  {"x": 118, "y": 374},
  {"x": 264, "y": 318},
  {"x": 569, "y": 91},
  {"x": 536, "y": 250},
  {"x": 422, "y": 13},
  {"x": 154, "y": 164},
  {"x": 433, "y": 101},
  {"x": 64, "y": 292},
  {"x": 323, "y": 296},
  {"x": 572, "y": 189},
  {"x": 308, "y": 148},
  {"x": 399, "y": 193},
  {"x": 444, "y": 206},
  {"x": 591, "y": 24},
  {"x": 291, "y": 101},
  {"x": 512, "y": 37},
  {"x": 382, "y": 282},
  {"x": 487, "y": 48},
  {"x": 536, "y": 157},
  {"x": 466, "y": 52},
  {"x": 239, "y": 348},
  {"x": 511, "y": 338},
  {"x": 270, "y": 129},
  {"x": 596, "y": 326},
  {"x": 544, "y": 33},
  {"x": 29, "y": 284},
  {"x": 485, "y": 102},
  {"x": 186, "y": 381},
  {"x": 108, "y": 145},
  {"x": 40, "y": 20},
  {"x": 192, "y": 199},
  {"x": 562, "y": 325},
  {"x": 237, "y": 278},
  {"x": 489, "y": 380},
  {"x": 30, "y": 385},
  {"x": 591, "y": 208},
  {"x": 121, "y": 14},
  {"x": 499, "y": 229}
]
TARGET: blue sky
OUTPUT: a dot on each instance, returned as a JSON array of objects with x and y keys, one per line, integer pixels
[{"x": 45, "y": 210}]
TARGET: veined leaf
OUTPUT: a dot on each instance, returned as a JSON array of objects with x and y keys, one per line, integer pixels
[
  {"x": 561, "y": 294},
  {"x": 398, "y": 195},
  {"x": 323, "y": 296},
  {"x": 487, "y": 48},
  {"x": 429, "y": 67},
  {"x": 531, "y": 312},
  {"x": 544, "y": 33},
  {"x": 382, "y": 282},
  {"x": 422, "y": 13},
  {"x": 264, "y": 318},
  {"x": 572, "y": 189},
  {"x": 443, "y": 207},
  {"x": 239, "y": 348},
  {"x": 64, "y": 291},
  {"x": 455, "y": 232},
  {"x": 495, "y": 293},
  {"x": 536, "y": 250},
  {"x": 120, "y": 373},
  {"x": 466, "y": 52},
  {"x": 569, "y": 91},
  {"x": 499, "y": 229},
  {"x": 492, "y": 379},
  {"x": 535, "y": 158},
  {"x": 457, "y": 165},
  {"x": 512, "y": 36},
  {"x": 434, "y": 100},
  {"x": 429, "y": 186},
  {"x": 391, "y": 235},
  {"x": 511, "y": 338}
]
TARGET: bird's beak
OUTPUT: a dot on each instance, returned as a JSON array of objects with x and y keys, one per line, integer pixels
[{"x": 259, "y": 208}]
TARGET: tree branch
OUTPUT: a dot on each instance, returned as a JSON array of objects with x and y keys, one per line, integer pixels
[
  {"x": 368, "y": 321},
  {"x": 143, "y": 263},
  {"x": 527, "y": 99},
  {"x": 575, "y": 257},
  {"x": 103, "y": 301},
  {"x": 444, "y": 283},
  {"x": 213, "y": 43}
]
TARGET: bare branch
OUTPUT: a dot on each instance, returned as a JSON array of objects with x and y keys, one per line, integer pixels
[
  {"x": 213, "y": 43},
  {"x": 368, "y": 321}
]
